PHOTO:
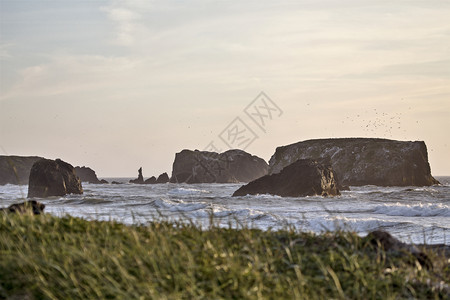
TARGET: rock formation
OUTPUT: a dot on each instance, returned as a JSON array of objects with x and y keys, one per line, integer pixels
[
  {"x": 151, "y": 180},
  {"x": 163, "y": 178},
  {"x": 392, "y": 246},
  {"x": 16, "y": 169},
  {"x": 140, "y": 179},
  {"x": 363, "y": 161},
  {"x": 304, "y": 177},
  {"x": 31, "y": 206},
  {"x": 88, "y": 175},
  {"x": 53, "y": 178},
  {"x": 231, "y": 166}
]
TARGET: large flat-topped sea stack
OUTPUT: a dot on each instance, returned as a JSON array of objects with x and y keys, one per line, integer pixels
[
  {"x": 232, "y": 166},
  {"x": 363, "y": 161},
  {"x": 16, "y": 169}
]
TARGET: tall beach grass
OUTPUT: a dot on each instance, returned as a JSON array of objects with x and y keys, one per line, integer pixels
[{"x": 48, "y": 257}]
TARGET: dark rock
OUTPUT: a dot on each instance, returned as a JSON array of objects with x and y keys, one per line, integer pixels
[
  {"x": 103, "y": 181},
  {"x": 115, "y": 182},
  {"x": 304, "y": 177},
  {"x": 87, "y": 175},
  {"x": 163, "y": 178},
  {"x": 363, "y": 161},
  {"x": 389, "y": 244},
  {"x": 232, "y": 166},
  {"x": 16, "y": 169},
  {"x": 53, "y": 178},
  {"x": 31, "y": 206},
  {"x": 140, "y": 179},
  {"x": 151, "y": 180}
]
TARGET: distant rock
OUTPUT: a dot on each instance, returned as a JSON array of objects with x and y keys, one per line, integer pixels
[
  {"x": 163, "y": 178},
  {"x": 53, "y": 178},
  {"x": 304, "y": 177},
  {"x": 151, "y": 180},
  {"x": 363, "y": 161},
  {"x": 87, "y": 175},
  {"x": 140, "y": 179},
  {"x": 31, "y": 206},
  {"x": 232, "y": 166},
  {"x": 16, "y": 169},
  {"x": 116, "y": 182},
  {"x": 103, "y": 181}
]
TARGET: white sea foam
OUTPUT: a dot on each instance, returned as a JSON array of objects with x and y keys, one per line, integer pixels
[
  {"x": 406, "y": 211},
  {"x": 343, "y": 223},
  {"x": 417, "y": 210},
  {"x": 187, "y": 191}
]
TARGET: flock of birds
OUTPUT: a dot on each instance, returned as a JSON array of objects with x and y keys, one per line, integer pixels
[{"x": 377, "y": 122}]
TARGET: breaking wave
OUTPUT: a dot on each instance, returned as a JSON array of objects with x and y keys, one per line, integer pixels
[{"x": 417, "y": 210}]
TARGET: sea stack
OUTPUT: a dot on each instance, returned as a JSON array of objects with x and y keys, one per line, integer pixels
[
  {"x": 305, "y": 177},
  {"x": 87, "y": 175},
  {"x": 140, "y": 179},
  {"x": 16, "y": 169},
  {"x": 232, "y": 166},
  {"x": 363, "y": 161},
  {"x": 53, "y": 178}
]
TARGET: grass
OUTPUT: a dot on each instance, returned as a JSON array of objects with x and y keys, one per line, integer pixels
[{"x": 46, "y": 257}]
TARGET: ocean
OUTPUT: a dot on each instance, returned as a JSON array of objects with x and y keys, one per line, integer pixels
[{"x": 412, "y": 214}]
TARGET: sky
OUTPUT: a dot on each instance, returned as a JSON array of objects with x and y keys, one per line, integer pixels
[{"x": 118, "y": 85}]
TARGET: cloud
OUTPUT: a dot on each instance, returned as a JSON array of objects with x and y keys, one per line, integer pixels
[
  {"x": 127, "y": 17},
  {"x": 69, "y": 74}
]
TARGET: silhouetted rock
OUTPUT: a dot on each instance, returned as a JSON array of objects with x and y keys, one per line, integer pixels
[
  {"x": 116, "y": 182},
  {"x": 103, "y": 181},
  {"x": 232, "y": 166},
  {"x": 140, "y": 179},
  {"x": 304, "y": 177},
  {"x": 16, "y": 169},
  {"x": 363, "y": 161},
  {"x": 391, "y": 245},
  {"x": 151, "y": 180},
  {"x": 87, "y": 175},
  {"x": 31, "y": 206},
  {"x": 163, "y": 178},
  {"x": 53, "y": 178}
]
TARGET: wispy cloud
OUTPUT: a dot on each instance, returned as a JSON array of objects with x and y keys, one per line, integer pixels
[{"x": 127, "y": 17}]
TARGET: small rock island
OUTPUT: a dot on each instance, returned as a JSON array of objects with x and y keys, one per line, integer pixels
[{"x": 305, "y": 177}]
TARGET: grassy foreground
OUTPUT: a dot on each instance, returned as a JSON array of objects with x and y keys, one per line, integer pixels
[{"x": 62, "y": 258}]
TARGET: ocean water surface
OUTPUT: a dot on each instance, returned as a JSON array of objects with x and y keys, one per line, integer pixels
[{"x": 412, "y": 214}]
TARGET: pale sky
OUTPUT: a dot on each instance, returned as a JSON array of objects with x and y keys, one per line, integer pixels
[{"x": 118, "y": 85}]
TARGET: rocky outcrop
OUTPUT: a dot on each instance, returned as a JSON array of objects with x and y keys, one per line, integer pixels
[
  {"x": 151, "y": 180},
  {"x": 140, "y": 179},
  {"x": 88, "y": 175},
  {"x": 16, "y": 169},
  {"x": 53, "y": 178},
  {"x": 163, "y": 178},
  {"x": 304, "y": 177},
  {"x": 392, "y": 246},
  {"x": 231, "y": 166},
  {"x": 32, "y": 206},
  {"x": 363, "y": 161}
]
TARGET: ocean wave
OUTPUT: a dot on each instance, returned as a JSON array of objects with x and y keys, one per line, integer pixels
[
  {"x": 187, "y": 191},
  {"x": 418, "y": 210},
  {"x": 343, "y": 223},
  {"x": 85, "y": 201}
]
